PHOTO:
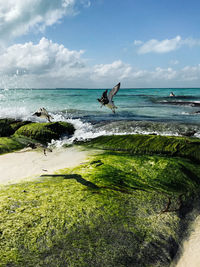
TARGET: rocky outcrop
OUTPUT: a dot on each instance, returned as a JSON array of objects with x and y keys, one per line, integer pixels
[
  {"x": 9, "y": 126},
  {"x": 128, "y": 205},
  {"x": 16, "y": 134},
  {"x": 45, "y": 132},
  {"x": 139, "y": 144},
  {"x": 9, "y": 144}
]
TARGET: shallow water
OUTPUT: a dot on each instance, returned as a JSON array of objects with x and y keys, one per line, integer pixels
[{"x": 139, "y": 110}]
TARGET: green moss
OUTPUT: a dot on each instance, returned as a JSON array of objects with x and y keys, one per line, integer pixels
[
  {"x": 147, "y": 173},
  {"x": 106, "y": 212},
  {"x": 8, "y": 144},
  {"x": 60, "y": 222},
  {"x": 9, "y": 126},
  {"x": 110, "y": 211},
  {"x": 149, "y": 144},
  {"x": 45, "y": 132}
]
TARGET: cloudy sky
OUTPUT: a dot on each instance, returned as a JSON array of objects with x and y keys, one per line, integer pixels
[{"x": 97, "y": 43}]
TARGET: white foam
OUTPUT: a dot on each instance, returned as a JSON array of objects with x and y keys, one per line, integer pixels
[
  {"x": 2, "y": 96},
  {"x": 83, "y": 130},
  {"x": 15, "y": 113}
]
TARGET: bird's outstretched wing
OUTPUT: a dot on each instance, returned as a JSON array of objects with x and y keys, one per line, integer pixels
[{"x": 113, "y": 91}]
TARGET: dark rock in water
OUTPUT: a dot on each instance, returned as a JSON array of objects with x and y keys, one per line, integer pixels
[
  {"x": 9, "y": 126},
  {"x": 189, "y": 133},
  {"x": 181, "y": 103},
  {"x": 45, "y": 132}
]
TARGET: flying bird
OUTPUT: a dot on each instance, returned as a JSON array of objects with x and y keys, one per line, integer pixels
[
  {"x": 42, "y": 113},
  {"x": 106, "y": 98}
]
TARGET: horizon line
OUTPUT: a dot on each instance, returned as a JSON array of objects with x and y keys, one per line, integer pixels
[{"x": 85, "y": 88}]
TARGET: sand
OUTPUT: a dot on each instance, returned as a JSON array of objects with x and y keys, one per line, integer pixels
[
  {"x": 190, "y": 252},
  {"x": 28, "y": 164}
]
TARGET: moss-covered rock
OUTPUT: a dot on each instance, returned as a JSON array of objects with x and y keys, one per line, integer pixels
[
  {"x": 45, "y": 132},
  {"x": 149, "y": 144},
  {"x": 106, "y": 212},
  {"x": 8, "y": 144},
  {"x": 9, "y": 126},
  {"x": 118, "y": 209}
]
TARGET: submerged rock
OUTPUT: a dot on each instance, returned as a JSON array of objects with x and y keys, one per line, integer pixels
[{"x": 45, "y": 132}]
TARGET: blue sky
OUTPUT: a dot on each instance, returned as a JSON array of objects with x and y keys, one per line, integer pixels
[{"x": 96, "y": 43}]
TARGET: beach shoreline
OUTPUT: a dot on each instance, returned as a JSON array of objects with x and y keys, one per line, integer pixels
[{"x": 27, "y": 164}]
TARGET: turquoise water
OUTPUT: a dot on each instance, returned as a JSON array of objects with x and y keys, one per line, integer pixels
[{"x": 139, "y": 110}]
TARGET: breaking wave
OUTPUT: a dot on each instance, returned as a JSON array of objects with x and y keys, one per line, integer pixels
[{"x": 86, "y": 128}]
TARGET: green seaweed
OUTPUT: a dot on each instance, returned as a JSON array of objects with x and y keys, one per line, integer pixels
[
  {"x": 123, "y": 207},
  {"x": 149, "y": 144},
  {"x": 45, "y": 132},
  {"x": 149, "y": 173},
  {"x": 8, "y": 144},
  {"x": 105, "y": 212},
  {"x": 9, "y": 126}
]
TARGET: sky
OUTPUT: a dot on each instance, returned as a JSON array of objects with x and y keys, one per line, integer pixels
[{"x": 98, "y": 43}]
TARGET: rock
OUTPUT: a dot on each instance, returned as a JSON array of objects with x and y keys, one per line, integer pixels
[
  {"x": 113, "y": 203},
  {"x": 45, "y": 132},
  {"x": 9, "y": 126},
  {"x": 9, "y": 144},
  {"x": 149, "y": 144}
]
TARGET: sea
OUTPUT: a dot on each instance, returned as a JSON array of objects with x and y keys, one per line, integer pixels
[{"x": 139, "y": 110}]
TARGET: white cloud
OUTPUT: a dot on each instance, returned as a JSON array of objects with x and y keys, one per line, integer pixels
[
  {"x": 42, "y": 64},
  {"x": 50, "y": 65},
  {"x": 164, "y": 46},
  {"x": 103, "y": 75},
  {"x": 41, "y": 58},
  {"x": 190, "y": 73},
  {"x": 116, "y": 69},
  {"x": 156, "y": 46},
  {"x": 17, "y": 17}
]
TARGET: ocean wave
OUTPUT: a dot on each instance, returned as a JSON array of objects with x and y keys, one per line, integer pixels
[
  {"x": 135, "y": 95},
  {"x": 85, "y": 131},
  {"x": 178, "y": 97},
  {"x": 91, "y": 124},
  {"x": 2, "y": 96},
  {"x": 181, "y": 103}
]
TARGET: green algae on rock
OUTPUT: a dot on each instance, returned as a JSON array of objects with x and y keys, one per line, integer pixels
[
  {"x": 149, "y": 144},
  {"x": 118, "y": 209},
  {"x": 45, "y": 132},
  {"x": 10, "y": 144},
  {"x": 106, "y": 212},
  {"x": 9, "y": 126}
]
